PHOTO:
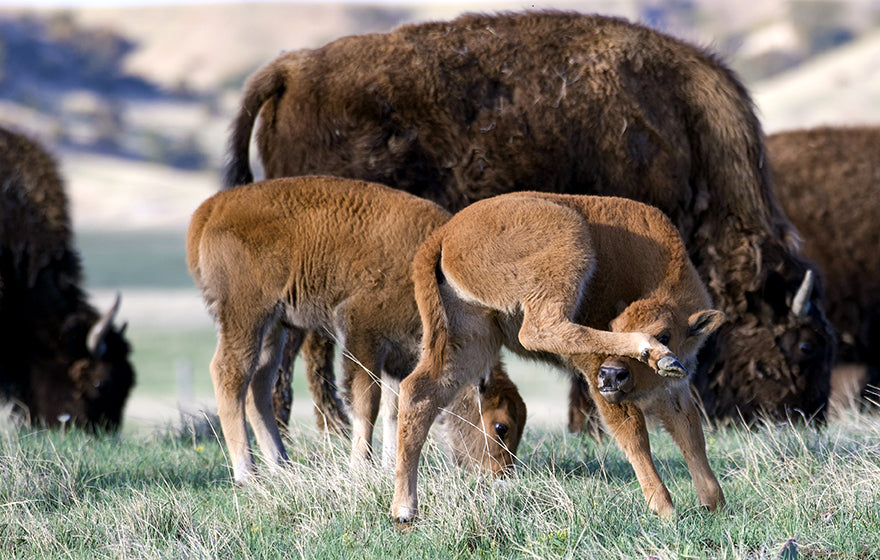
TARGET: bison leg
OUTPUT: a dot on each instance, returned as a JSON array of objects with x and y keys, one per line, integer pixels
[
  {"x": 627, "y": 424},
  {"x": 546, "y": 328},
  {"x": 422, "y": 394},
  {"x": 317, "y": 352},
  {"x": 282, "y": 394},
  {"x": 230, "y": 373},
  {"x": 362, "y": 368},
  {"x": 582, "y": 413},
  {"x": 687, "y": 431},
  {"x": 390, "y": 391},
  {"x": 260, "y": 409}
]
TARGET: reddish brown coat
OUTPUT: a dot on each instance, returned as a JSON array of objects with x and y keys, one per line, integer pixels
[
  {"x": 575, "y": 281},
  {"x": 828, "y": 180},
  {"x": 328, "y": 255}
]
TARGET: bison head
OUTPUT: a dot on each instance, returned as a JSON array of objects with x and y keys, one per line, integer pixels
[
  {"x": 619, "y": 378},
  {"x": 88, "y": 383},
  {"x": 776, "y": 360}
]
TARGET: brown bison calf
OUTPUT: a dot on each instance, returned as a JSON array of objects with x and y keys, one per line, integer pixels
[
  {"x": 545, "y": 275},
  {"x": 319, "y": 254}
]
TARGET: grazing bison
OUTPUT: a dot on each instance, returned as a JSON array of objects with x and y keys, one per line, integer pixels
[
  {"x": 462, "y": 110},
  {"x": 828, "y": 181},
  {"x": 545, "y": 275},
  {"x": 61, "y": 362},
  {"x": 320, "y": 254}
]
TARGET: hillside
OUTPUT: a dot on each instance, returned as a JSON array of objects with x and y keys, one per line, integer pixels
[{"x": 142, "y": 137}]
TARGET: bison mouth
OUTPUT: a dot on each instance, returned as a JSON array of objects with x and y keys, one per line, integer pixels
[{"x": 612, "y": 395}]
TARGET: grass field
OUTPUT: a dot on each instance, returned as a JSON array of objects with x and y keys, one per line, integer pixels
[{"x": 168, "y": 494}]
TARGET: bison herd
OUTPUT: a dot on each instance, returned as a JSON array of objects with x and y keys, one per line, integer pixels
[{"x": 581, "y": 190}]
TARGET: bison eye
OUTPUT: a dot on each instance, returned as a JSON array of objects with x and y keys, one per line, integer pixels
[
  {"x": 663, "y": 339},
  {"x": 501, "y": 429},
  {"x": 807, "y": 349}
]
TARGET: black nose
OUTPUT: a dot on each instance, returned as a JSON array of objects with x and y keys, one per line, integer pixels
[{"x": 612, "y": 376}]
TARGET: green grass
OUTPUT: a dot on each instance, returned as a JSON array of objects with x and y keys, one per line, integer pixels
[
  {"x": 139, "y": 258},
  {"x": 168, "y": 495}
]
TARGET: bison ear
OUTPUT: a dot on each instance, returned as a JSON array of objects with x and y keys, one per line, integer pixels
[{"x": 704, "y": 322}]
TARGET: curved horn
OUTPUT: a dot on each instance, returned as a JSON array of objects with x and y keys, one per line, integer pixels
[
  {"x": 800, "y": 305},
  {"x": 95, "y": 339}
]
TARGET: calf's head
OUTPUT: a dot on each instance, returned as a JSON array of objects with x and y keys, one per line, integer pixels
[
  {"x": 683, "y": 332},
  {"x": 485, "y": 425}
]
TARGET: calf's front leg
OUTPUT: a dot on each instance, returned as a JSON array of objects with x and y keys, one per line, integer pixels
[
  {"x": 627, "y": 425},
  {"x": 687, "y": 432}
]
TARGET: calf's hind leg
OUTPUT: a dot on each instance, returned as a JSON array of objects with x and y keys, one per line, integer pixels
[
  {"x": 422, "y": 394},
  {"x": 231, "y": 370},
  {"x": 260, "y": 409}
]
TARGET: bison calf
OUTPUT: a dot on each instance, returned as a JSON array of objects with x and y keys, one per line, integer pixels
[
  {"x": 319, "y": 254},
  {"x": 545, "y": 275}
]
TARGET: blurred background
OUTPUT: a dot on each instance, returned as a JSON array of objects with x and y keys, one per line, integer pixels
[{"x": 135, "y": 98}]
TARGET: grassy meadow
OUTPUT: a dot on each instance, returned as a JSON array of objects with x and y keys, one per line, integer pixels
[{"x": 168, "y": 494}]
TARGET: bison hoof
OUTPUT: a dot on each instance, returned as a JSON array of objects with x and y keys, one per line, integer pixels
[
  {"x": 669, "y": 366},
  {"x": 404, "y": 515}
]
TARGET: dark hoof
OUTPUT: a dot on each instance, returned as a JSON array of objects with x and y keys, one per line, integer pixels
[{"x": 669, "y": 366}]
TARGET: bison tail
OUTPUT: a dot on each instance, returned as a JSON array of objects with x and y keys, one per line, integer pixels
[
  {"x": 427, "y": 278},
  {"x": 265, "y": 83}
]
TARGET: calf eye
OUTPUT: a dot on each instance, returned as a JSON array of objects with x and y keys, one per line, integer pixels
[{"x": 501, "y": 429}]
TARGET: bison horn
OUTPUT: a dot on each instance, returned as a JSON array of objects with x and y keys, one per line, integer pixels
[
  {"x": 800, "y": 305},
  {"x": 95, "y": 339}
]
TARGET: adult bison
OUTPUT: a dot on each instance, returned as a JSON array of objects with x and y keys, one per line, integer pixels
[
  {"x": 828, "y": 181},
  {"x": 61, "y": 362},
  {"x": 556, "y": 101}
]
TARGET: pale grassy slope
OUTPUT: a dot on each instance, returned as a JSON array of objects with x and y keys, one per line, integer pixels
[{"x": 840, "y": 87}]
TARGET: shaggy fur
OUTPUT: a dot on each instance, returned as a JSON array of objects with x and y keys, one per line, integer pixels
[
  {"x": 828, "y": 180},
  {"x": 545, "y": 275},
  {"x": 48, "y": 368},
  {"x": 484, "y": 104},
  {"x": 319, "y": 254}
]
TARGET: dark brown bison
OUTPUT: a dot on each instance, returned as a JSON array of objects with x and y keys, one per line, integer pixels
[
  {"x": 481, "y": 105},
  {"x": 828, "y": 180},
  {"x": 61, "y": 362}
]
